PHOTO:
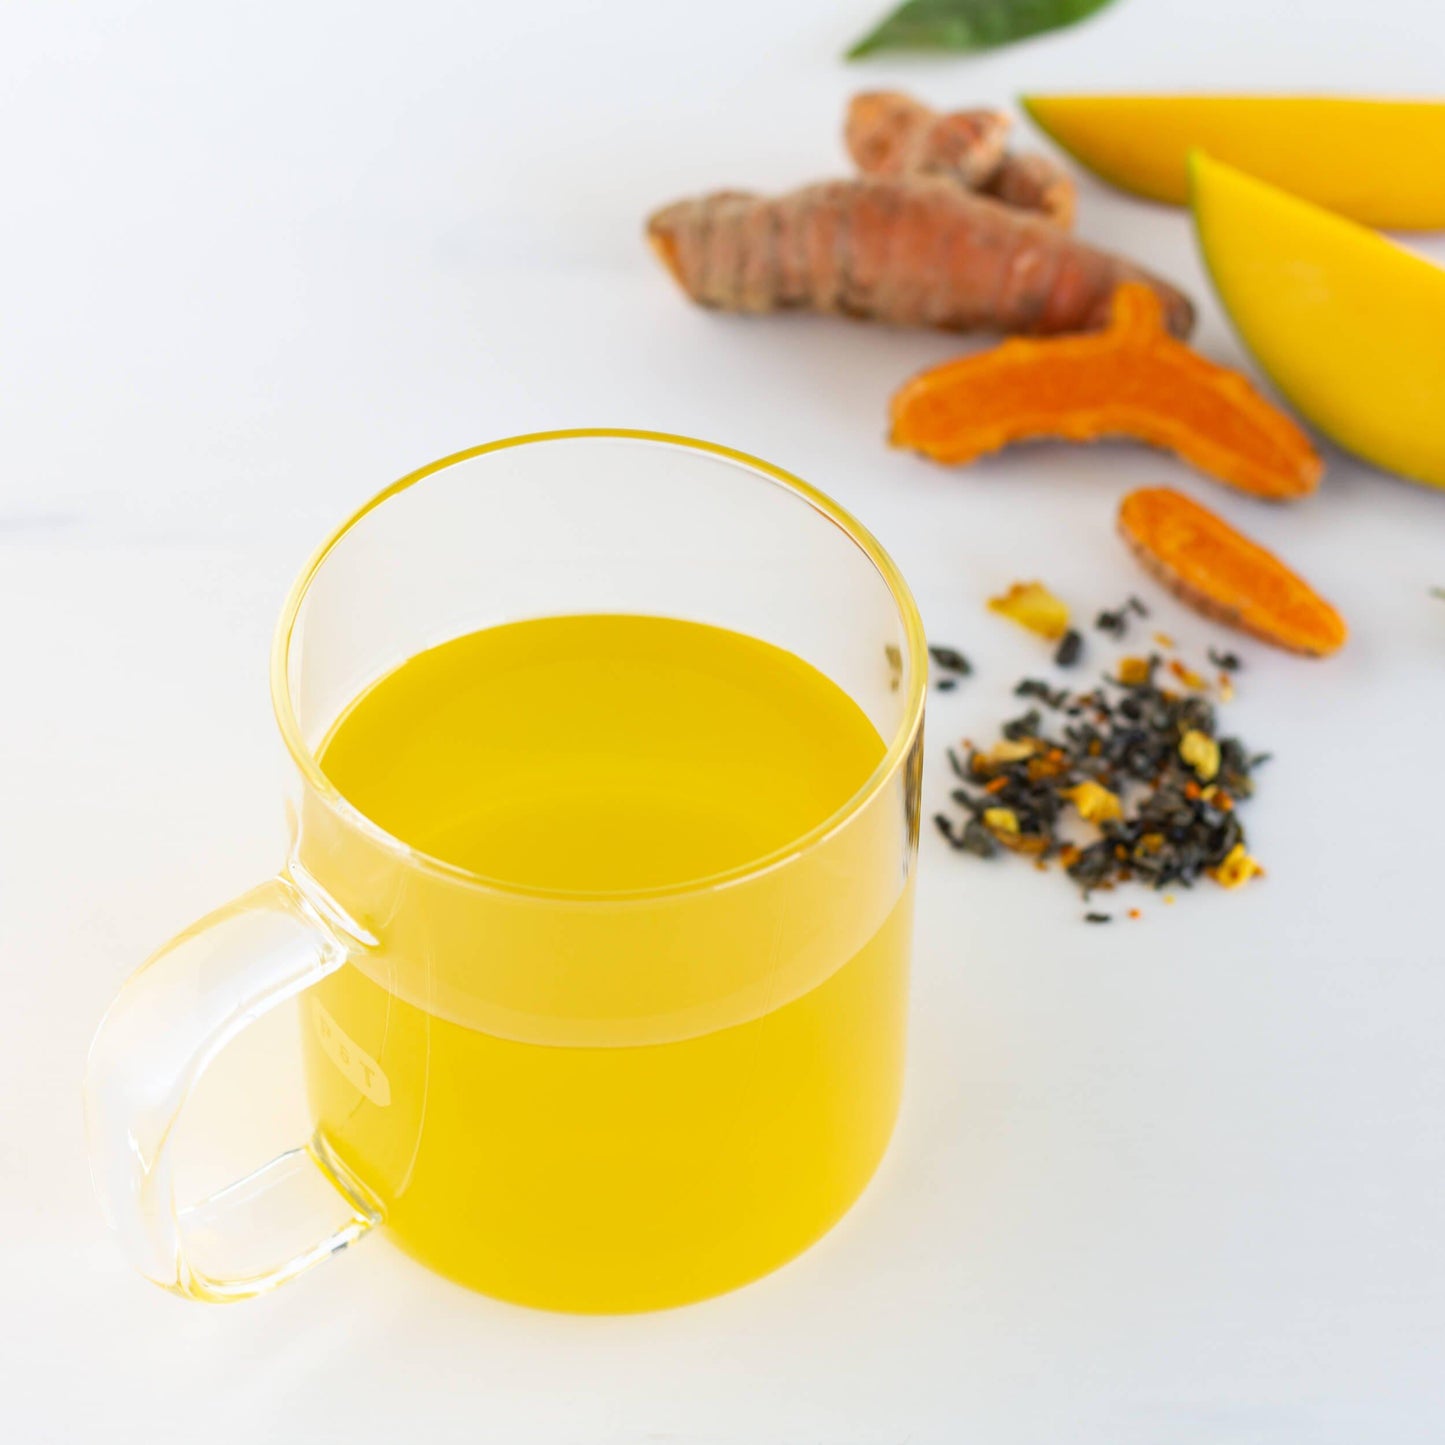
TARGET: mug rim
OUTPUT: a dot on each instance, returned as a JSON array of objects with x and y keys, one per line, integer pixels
[{"x": 898, "y": 747}]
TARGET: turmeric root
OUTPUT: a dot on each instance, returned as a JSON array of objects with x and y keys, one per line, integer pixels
[
  {"x": 917, "y": 250},
  {"x": 1219, "y": 572},
  {"x": 1132, "y": 380},
  {"x": 1032, "y": 182},
  {"x": 891, "y": 134}
]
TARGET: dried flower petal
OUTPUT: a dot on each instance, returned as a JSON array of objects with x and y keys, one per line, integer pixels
[
  {"x": 1094, "y": 803},
  {"x": 1032, "y": 605},
  {"x": 1001, "y": 820},
  {"x": 1201, "y": 752},
  {"x": 1012, "y": 750},
  {"x": 1237, "y": 868}
]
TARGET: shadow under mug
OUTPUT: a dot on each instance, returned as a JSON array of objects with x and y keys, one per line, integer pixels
[{"x": 518, "y": 1117}]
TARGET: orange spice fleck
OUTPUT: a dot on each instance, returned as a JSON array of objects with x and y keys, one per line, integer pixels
[
  {"x": 1187, "y": 675},
  {"x": 1048, "y": 766}
]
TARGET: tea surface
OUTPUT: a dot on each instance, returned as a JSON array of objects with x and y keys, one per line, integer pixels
[{"x": 595, "y": 754}]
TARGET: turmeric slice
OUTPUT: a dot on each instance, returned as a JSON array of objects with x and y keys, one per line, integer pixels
[
  {"x": 1219, "y": 572},
  {"x": 911, "y": 250},
  {"x": 1131, "y": 380},
  {"x": 891, "y": 134}
]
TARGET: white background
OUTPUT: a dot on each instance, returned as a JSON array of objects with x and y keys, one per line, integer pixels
[{"x": 1166, "y": 1182}]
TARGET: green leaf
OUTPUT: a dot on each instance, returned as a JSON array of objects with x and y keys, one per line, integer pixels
[{"x": 970, "y": 24}]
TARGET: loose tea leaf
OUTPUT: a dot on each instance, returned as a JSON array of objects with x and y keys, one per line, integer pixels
[
  {"x": 1116, "y": 622},
  {"x": 1142, "y": 768},
  {"x": 966, "y": 25},
  {"x": 1070, "y": 649},
  {"x": 950, "y": 659}
]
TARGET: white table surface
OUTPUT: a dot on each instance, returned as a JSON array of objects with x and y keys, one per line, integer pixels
[{"x": 1166, "y": 1182}]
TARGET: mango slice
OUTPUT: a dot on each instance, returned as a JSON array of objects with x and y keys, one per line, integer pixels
[
  {"x": 1376, "y": 161},
  {"x": 1350, "y": 326}
]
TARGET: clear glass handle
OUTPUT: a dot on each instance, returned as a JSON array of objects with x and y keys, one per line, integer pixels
[{"x": 170, "y": 1020}]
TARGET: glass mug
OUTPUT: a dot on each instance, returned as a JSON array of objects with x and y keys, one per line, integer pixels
[{"x": 583, "y": 1100}]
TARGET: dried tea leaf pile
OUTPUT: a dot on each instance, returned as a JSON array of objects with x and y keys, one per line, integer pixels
[{"x": 1129, "y": 781}]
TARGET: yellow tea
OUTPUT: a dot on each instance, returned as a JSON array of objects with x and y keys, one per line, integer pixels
[{"x": 610, "y": 1160}]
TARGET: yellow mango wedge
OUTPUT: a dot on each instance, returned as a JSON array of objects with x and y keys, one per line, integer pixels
[
  {"x": 1350, "y": 326},
  {"x": 1380, "y": 162}
]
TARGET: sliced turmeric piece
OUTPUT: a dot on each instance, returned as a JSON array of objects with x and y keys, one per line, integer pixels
[
  {"x": 911, "y": 250},
  {"x": 1219, "y": 572},
  {"x": 1131, "y": 380}
]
